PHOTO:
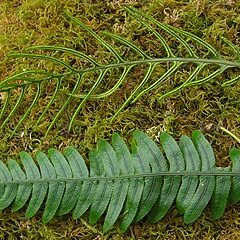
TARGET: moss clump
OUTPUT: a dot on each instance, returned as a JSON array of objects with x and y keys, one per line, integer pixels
[{"x": 26, "y": 23}]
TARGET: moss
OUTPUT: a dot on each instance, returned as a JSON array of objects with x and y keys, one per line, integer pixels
[{"x": 25, "y": 23}]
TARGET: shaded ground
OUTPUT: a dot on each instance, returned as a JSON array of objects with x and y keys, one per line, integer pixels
[{"x": 27, "y": 23}]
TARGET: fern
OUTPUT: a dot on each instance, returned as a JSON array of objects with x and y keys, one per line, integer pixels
[
  {"x": 202, "y": 62},
  {"x": 126, "y": 185}
]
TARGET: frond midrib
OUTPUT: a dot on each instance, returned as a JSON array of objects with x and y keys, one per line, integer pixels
[
  {"x": 220, "y": 62},
  {"x": 225, "y": 63},
  {"x": 121, "y": 177},
  {"x": 166, "y": 59}
]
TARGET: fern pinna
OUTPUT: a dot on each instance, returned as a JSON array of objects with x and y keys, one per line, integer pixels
[
  {"x": 125, "y": 184},
  {"x": 181, "y": 52}
]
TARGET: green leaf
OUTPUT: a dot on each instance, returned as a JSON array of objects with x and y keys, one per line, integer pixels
[
  {"x": 104, "y": 188},
  {"x": 5, "y": 176},
  {"x": 135, "y": 186},
  {"x": 220, "y": 194},
  {"x": 206, "y": 185},
  {"x": 32, "y": 173},
  {"x": 9, "y": 192},
  {"x": 119, "y": 187},
  {"x": 79, "y": 169},
  {"x": 55, "y": 194},
  {"x": 88, "y": 190},
  {"x": 24, "y": 190},
  {"x": 85, "y": 199},
  {"x": 133, "y": 199},
  {"x": 119, "y": 193},
  {"x": 142, "y": 166},
  {"x": 234, "y": 195},
  {"x": 171, "y": 184},
  {"x": 148, "y": 150},
  {"x": 123, "y": 155},
  {"x": 55, "y": 189},
  {"x": 189, "y": 183},
  {"x": 40, "y": 189}
]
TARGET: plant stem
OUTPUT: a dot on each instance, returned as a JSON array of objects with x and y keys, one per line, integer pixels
[{"x": 230, "y": 133}]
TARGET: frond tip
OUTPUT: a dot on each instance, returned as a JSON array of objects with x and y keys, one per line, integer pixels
[{"x": 125, "y": 184}]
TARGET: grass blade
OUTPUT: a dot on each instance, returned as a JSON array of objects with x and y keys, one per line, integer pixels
[
  {"x": 145, "y": 79},
  {"x": 136, "y": 14},
  {"x": 161, "y": 79},
  {"x": 66, "y": 102}
]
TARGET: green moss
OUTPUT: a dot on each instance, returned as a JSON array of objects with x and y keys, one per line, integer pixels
[{"x": 25, "y": 23}]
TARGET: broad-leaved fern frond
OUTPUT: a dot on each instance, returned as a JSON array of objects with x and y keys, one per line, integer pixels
[{"x": 123, "y": 184}]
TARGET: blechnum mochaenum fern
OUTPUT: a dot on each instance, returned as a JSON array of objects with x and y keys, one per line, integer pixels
[
  {"x": 126, "y": 185},
  {"x": 205, "y": 61}
]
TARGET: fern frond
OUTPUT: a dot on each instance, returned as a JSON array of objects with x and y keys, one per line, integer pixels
[
  {"x": 126, "y": 185},
  {"x": 204, "y": 67}
]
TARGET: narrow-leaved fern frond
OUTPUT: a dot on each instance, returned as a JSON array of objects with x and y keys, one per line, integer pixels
[{"x": 206, "y": 64}]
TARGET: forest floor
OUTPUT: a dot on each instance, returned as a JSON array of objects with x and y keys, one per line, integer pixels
[{"x": 25, "y": 23}]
